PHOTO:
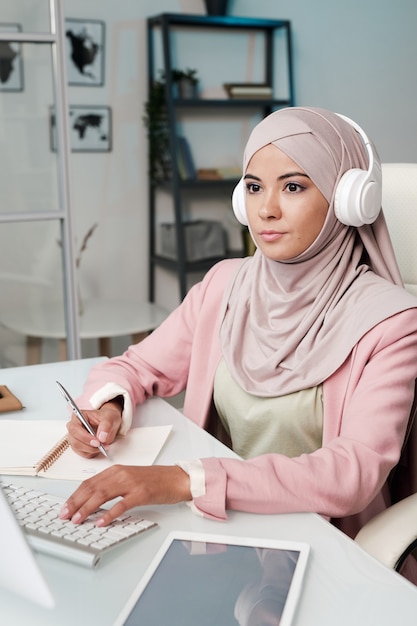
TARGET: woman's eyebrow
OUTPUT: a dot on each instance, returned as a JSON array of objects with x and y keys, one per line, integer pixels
[
  {"x": 290, "y": 174},
  {"x": 282, "y": 177}
]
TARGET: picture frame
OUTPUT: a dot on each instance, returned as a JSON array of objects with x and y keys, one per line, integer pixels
[
  {"x": 11, "y": 63},
  {"x": 85, "y": 51},
  {"x": 90, "y": 128}
]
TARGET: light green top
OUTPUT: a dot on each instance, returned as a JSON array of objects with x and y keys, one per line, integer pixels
[{"x": 290, "y": 425}]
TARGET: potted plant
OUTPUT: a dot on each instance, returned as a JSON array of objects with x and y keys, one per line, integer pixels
[
  {"x": 155, "y": 119},
  {"x": 185, "y": 82},
  {"x": 156, "y": 122},
  {"x": 216, "y": 7}
]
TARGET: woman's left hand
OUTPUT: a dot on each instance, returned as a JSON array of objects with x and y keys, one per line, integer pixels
[{"x": 136, "y": 486}]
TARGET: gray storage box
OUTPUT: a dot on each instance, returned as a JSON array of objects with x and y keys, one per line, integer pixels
[{"x": 204, "y": 239}]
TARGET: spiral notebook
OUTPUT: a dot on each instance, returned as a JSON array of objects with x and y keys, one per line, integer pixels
[{"x": 40, "y": 448}]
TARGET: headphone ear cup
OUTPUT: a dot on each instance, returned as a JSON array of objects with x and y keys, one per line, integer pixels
[
  {"x": 238, "y": 203},
  {"x": 357, "y": 199}
]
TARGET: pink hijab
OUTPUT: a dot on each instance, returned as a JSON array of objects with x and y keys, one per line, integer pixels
[{"x": 289, "y": 325}]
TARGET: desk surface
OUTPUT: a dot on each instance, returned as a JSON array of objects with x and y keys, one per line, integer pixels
[{"x": 343, "y": 584}]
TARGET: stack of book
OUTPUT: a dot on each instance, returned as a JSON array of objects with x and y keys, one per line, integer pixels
[
  {"x": 219, "y": 173},
  {"x": 248, "y": 90}
]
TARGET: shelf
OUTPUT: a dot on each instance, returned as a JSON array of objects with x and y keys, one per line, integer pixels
[
  {"x": 204, "y": 21},
  {"x": 195, "y": 266},
  {"x": 195, "y": 103},
  {"x": 205, "y": 183},
  {"x": 179, "y": 110}
]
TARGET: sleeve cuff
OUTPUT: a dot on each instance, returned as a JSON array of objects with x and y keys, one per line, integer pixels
[
  {"x": 107, "y": 393},
  {"x": 195, "y": 470}
]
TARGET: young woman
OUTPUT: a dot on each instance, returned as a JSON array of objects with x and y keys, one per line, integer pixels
[{"x": 303, "y": 356}]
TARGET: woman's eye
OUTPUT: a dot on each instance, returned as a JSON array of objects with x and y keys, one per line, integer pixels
[
  {"x": 292, "y": 187},
  {"x": 253, "y": 187}
]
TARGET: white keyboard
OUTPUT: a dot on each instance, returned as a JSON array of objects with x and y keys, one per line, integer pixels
[{"x": 38, "y": 514}]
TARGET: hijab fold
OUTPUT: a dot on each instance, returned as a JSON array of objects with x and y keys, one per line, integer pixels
[{"x": 288, "y": 325}]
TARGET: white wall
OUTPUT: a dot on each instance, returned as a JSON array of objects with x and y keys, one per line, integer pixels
[{"x": 357, "y": 58}]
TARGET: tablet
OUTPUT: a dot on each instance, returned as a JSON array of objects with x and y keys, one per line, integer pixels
[{"x": 210, "y": 579}]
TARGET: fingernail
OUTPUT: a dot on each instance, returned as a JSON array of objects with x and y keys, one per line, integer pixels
[
  {"x": 103, "y": 436},
  {"x": 100, "y": 522},
  {"x": 94, "y": 443},
  {"x": 76, "y": 518},
  {"x": 64, "y": 512}
]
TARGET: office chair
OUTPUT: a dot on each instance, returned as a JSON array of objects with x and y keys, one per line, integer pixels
[
  {"x": 392, "y": 535},
  {"x": 399, "y": 203}
]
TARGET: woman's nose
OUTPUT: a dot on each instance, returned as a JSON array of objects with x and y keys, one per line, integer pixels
[{"x": 270, "y": 207}]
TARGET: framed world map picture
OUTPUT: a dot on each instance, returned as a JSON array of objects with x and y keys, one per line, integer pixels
[
  {"x": 85, "y": 48},
  {"x": 11, "y": 65},
  {"x": 90, "y": 129}
]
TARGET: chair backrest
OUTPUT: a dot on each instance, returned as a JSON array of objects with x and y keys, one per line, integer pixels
[
  {"x": 399, "y": 203},
  {"x": 391, "y": 535}
]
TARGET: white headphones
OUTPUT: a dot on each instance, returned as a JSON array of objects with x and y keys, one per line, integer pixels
[{"x": 358, "y": 194}]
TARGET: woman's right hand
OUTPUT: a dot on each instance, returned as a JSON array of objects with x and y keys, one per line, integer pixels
[{"x": 106, "y": 421}]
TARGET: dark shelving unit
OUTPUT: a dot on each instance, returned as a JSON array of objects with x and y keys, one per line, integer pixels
[{"x": 167, "y": 24}]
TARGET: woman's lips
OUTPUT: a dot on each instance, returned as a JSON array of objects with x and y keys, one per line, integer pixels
[{"x": 270, "y": 235}]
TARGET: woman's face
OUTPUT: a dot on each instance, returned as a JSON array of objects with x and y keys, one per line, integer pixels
[{"x": 285, "y": 210}]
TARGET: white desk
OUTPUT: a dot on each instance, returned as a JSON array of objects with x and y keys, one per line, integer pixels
[
  {"x": 343, "y": 585},
  {"x": 102, "y": 318}
]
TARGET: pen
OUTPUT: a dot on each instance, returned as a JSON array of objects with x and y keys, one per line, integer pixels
[{"x": 80, "y": 416}]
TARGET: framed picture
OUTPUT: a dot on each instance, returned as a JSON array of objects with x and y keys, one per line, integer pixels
[
  {"x": 85, "y": 47},
  {"x": 90, "y": 129},
  {"x": 11, "y": 64}
]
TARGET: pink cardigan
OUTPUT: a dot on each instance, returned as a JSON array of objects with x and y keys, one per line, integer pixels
[{"x": 367, "y": 403}]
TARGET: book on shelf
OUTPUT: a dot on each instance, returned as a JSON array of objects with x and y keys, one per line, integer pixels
[
  {"x": 185, "y": 162},
  {"x": 40, "y": 448},
  {"x": 219, "y": 173},
  {"x": 248, "y": 90}
]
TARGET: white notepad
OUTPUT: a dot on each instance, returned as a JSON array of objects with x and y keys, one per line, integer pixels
[{"x": 40, "y": 448}]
